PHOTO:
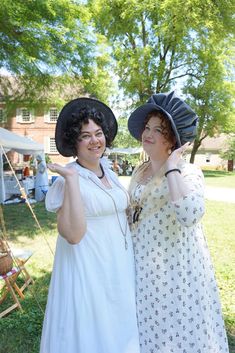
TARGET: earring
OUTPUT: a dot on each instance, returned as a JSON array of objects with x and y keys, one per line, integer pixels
[{"x": 169, "y": 151}]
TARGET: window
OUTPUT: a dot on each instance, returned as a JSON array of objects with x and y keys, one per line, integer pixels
[
  {"x": 51, "y": 116},
  {"x": 24, "y": 115},
  {"x": 53, "y": 148},
  {"x": 49, "y": 145},
  {"x": 208, "y": 157}
]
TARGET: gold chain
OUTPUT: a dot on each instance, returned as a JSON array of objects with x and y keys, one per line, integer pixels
[{"x": 116, "y": 210}]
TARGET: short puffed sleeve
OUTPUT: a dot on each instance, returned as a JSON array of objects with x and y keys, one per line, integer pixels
[{"x": 55, "y": 195}]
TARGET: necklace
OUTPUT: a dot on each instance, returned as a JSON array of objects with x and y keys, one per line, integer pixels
[
  {"x": 147, "y": 175},
  {"x": 102, "y": 169},
  {"x": 149, "y": 183},
  {"x": 116, "y": 210}
]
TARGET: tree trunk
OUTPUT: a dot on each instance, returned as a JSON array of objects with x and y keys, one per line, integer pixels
[
  {"x": 196, "y": 145},
  {"x": 230, "y": 165}
]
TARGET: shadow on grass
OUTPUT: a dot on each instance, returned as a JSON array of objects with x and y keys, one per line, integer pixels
[
  {"x": 19, "y": 220},
  {"x": 231, "y": 341},
  {"x": 21, "y": 331},
  {"x": 229, "y": 323}
]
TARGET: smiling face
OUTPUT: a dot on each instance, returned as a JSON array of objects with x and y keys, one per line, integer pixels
[
  {"x": 91, "y": 143},
  {"x": 156, "y": 139}
]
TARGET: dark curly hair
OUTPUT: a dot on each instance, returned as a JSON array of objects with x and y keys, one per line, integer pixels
[
  {"x": 77, "y": 120},
  {"x": 167, "y": 131}
]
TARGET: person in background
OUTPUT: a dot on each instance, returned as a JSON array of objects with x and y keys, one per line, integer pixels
[
  {"x": 41, "y": 179},
  {"x": 124, "y": 167},
  {"x": 91, "y": 301},
  {"x": 115, "y": 166},
  {"x": 178, "y": 305},
  {"x": 26, "y": 171}
]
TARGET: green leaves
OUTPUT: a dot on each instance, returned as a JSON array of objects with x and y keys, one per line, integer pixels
[
  {"x": 39, "y": 39},
  {"x": 149, "y": 46}
]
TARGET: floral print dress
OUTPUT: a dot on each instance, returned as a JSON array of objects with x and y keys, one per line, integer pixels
[{"x": 178, "y": 306}]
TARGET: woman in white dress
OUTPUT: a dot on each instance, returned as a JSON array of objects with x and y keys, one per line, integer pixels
[
  {"x": 41, "y": 179},
  {"x": 178, "y": 307},
  {"x": 91, "y": 301}
]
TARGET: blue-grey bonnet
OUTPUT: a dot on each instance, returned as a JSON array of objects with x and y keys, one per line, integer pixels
[{"x": 182, "y": 118}]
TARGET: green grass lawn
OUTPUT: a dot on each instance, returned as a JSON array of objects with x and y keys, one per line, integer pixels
[
  {"x": 220, "y": 233},
  {"x": 219, "y": 178},
  {"x": 20, "y": 331},
  {"x": 213, "y": 178}
]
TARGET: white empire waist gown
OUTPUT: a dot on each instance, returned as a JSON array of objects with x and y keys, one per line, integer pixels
[{"x": 91, "y": 302}]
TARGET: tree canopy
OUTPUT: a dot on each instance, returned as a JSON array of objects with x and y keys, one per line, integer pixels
[
  {"x": 153, "y": 41},
  {"x": 42, "y": 40},
  {"x": 149, "y": 46},
  {"x": 158, "y": 45},
  {"x": 212, "y": 95},
  {"x": 229, "y": 153}
]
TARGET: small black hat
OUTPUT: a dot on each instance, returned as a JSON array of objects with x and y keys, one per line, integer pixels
[
  {"x": 66, "y": 115},
  {"x": 182, "y": 118}
]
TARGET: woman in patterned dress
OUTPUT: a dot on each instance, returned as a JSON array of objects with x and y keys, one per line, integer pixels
[{"x": 178, "y": 307}]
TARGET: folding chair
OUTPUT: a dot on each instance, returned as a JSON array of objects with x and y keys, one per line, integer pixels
[
  {"x": 10, "y": 287},
  {"x": 21, "y": 256}
]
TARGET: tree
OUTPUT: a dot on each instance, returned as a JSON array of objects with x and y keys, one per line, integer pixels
[
  {"x": 157, "y": 44},
  {"x": 212, "y": 94},
  {"x": 46, "y": 41},
  {"x": 229, "y": 153},
  {"x": 123, "y": 138},
  {"x": 152, "y": 40}
]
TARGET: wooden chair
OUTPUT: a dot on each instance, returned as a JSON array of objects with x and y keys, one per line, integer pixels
[
  {"x": 21, "y": 256},
  {"x": 10, "y": 285}
]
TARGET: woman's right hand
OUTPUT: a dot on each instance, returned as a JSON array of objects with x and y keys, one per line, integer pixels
[
  {"x": 175, "y": 156},
  {"x": 71, "y": 224},
  {"x": 65, "y": 172}
]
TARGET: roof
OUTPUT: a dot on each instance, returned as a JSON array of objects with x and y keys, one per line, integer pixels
[{"x": 215, "y": 144}]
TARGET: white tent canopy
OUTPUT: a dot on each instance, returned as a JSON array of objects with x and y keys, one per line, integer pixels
[
  {"x": 130, "y": 150},
  {"x": 23, "y": 145}
]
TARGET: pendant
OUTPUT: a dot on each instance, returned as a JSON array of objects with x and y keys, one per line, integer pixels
[
  {"x": 136, "y": 214},
  {"x": 126, "y": 245}
]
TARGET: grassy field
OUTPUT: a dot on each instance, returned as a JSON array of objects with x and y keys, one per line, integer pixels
[
  {"x": 220, "y": 233},
  {"x": 219, "y": 178},
  {"x": 20, "y": 331},
  {"x": 213, "y": 178}
]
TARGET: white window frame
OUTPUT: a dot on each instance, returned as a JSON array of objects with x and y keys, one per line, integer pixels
[
  {"x": 49, "y": 145},
  {"x": 49, "y": 118},
  {"x": 20, "y": 115}
]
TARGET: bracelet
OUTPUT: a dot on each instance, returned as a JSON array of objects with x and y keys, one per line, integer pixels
[{"x": 173, "y": 170}]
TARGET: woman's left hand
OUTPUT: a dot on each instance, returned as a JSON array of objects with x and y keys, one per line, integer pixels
[
  {"x": 65, "y": 172},
  {"x": 176, "y": 155}
]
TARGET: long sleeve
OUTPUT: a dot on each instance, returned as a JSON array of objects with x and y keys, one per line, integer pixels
[{"x": 190, "y": 208}]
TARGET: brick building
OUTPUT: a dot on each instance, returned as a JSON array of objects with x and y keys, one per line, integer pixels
[{"x": 37, "y": 123}]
